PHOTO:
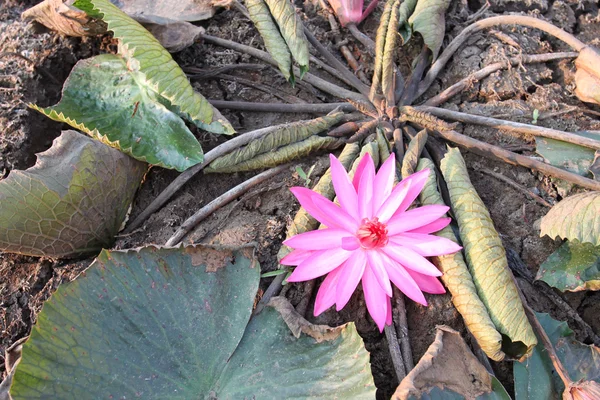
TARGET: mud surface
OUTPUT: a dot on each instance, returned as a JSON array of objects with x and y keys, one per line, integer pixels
[{"x": 263, "y": 214}]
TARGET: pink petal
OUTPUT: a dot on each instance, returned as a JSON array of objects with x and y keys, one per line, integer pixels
[
  {"x": 417, "y": 182},
  {"x": 350, "y": 243},
  {"x": 350, "y": 275},
  {"x": 326, "y": 294},
  {"x": 393, "y": 201},
  {"x": 411, "y": 259},
  {"x": 377, "y": 301},
  {"x": 319, "y": 264},
  {"x": 365, "y": 191},
  {"x": 384, "y": 182},
  {"x": 296, "y": 257},
  {"x": 360, "y": 168},
  {"x": 305, "y": 198},
  {"x": 336, "y": 217},
  {"x": 426, "y": 245},
  {"x": 321, "y": 239},
  {"x": 405, "y": 282},
  {"x": 388, "y": 317},
  {"x": 378, "y": 268},
  {"x": 434, "y": 226},
  {"x": 428, "y": 284},
  {"x": 346, "y": 194},
  {"x": 415, "y": 218}
]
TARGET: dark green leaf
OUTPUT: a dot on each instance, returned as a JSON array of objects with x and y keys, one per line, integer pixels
[
  {"x": 103, "y": 98},
  {"x": 144, "y": 54},
  {"x": 72, "y": 201},
  {"x": 292, "y": 30},
  {"x": 428, "y": 19},
  {"x": 276, "y": 46},
  {"x": 271, "y": 363},
  {"x": 573, "y": 267},
  {"x": 536, "y": 379},
  {"x": 571, "y": 157},
  {"x": 152, "y": 323},
  {"x": 575, "y": 218}
]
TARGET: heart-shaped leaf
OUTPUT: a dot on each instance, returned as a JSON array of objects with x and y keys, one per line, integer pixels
[
  {"x": 105, "y": 99},
  {"x": 428, "y": 19},
  {"x": 575, "y": 218},
  {"x": 166, "y": 323},
  {"x": 536, "y": 379},
  {"x": 71, "y": 202},
  {"x": 573, "y": 267}
]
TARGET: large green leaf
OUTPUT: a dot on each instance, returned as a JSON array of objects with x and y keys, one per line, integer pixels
[
  {"x": 292, "y": 31},
  {"x": 536, "y": 379},
  {"x": 71, "y": 202},
  {"x": 144, "y": 54},
  {"x": 575, "y": 218},
  {"x": 151, "y": 323},
  {"x": 573, "y": 267},
  {"x": 105, "y": 99},
  {"x": 170, "y": 323},
  {"x": 270, "y": 363},
  {"x": 276, "y": 46},
  {"x": 428, "y": 19},
  {"x": 486, "y": 258}
]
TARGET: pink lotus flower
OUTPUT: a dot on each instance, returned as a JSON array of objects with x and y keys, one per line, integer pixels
[
  {"x": 371, "y": 237},
  {"x": 351, "y": 11}
]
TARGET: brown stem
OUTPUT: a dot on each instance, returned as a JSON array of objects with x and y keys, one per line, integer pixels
[
  {"x": 410, "y": 91},
  {"x": 490, "y": 69},
  {"x": 498, "y": 153},
  {"x": 439, "y": 65},
  {"x": 317, "y": 82},
  {"x": 395, "y": 352},
  {"x": 281, "y": 107},
  {"x": 515, "y": 185},
  {"x": 361, "y": 37},
  {"x": 337, "y": 64},
  {"x": 401, "y": 323},
  {"x": 510, "y": 126},
  {"x": 273, "y": 289},
  {"x": 220, "y": 201},
  {"x": 207, "y": 73},
  {"x": 339, "y": 42},
  {"x": 309, "y": 288},
  {"x": 185, "y": 176},
  {"x": 263, "y": 88}
]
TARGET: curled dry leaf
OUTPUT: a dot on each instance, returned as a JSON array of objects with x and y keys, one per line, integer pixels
[
  {"x": 263, "y": 21},
  {"x": 283, "y": 145},
  {"x": 64, "y": 18},
  {"x": 71, "y": 202},
  {"x": 486, "y": 259},
  {"x": 413, "y": 152},
  {"x": 448, "y": 367},
  {"x": 587, "y": 76},
  {"x": 459, "y": 281},
  {"x": 575, "y": 218}
]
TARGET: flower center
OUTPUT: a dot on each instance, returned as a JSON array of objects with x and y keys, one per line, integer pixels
[{"x": 372, "y": 234}]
